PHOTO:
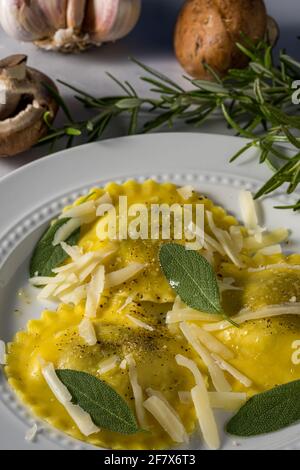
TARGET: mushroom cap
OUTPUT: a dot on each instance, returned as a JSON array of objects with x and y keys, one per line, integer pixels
[
  {"x": 26, "y": 126},
  {"x": 208, "y": 30}
]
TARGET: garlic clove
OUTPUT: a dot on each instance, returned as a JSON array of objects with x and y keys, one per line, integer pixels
[
  {"x": 109, "y": 20},
  {"x": 23, "y": 21},
  {"x": 68, "y": 25},
  {"x": 54, "y": 12},
  {"x": 75, "y": 13},
  {"x": 128, "y": 15}
]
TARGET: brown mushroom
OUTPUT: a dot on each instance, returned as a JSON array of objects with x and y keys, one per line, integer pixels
[
  {"x": 24, "y": 99},
  {"x": 207, "y": 32}
]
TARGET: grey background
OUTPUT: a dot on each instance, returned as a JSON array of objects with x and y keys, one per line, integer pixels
[{"x": 151, "y": 42}]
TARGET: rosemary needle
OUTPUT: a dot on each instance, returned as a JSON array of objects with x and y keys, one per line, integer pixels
[{"x": 256, "y": 103}]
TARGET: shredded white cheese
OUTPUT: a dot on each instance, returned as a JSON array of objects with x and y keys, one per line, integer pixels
[
  {"x": 82, "y": 210},
  {"x": 94, "y": 292},
  {"x": 212, "y": 343},
  {"x": 178, "y": 304},
  {"x": 185, "y": 397},
  {"x": 140, "y": 323},
  {"x": 227, "y": 401},
  {"x": 271, "y": 250},
  {"x": 205, "y": 416},
  {"x": 202, "y": 404},
  {"x": 189, "y": 314},
  {"x": 292, "y": 267},
  {"x": 266, "y": 312},
  {"x": 191, "y": 365},
  {"x": 2, "y": 353},
  {"x": 65, "y": 231},
  {"x": 217, "y": 376},
  {"x": 248, "y": 210},
  {"x": 127, "y": 302},
  {"x": 87, "y": 332},
  {"x": 227, "y": 284},
  {"x": 75, "y": 252},
  {"x": 151, "y": 392},
  {"x": 61, "y": 393},
  {"x": 75, "y": 296},
  {"x": 210, "y": 244},
  {"x": 123, "y": 365},
  {"x": 168, "y": 420},
  {"x": 237, "y": 237},
  {"x": 126, "y": 274},
  {"x": 232, "y": 371},
  {"x": 105, "y": 199},
  {"x": 47, "y": 292},
  {"x": 31, "y": 434},
  {"x": 225, "y": 241},
  {"x": 137, "y": 391},
  {"x": 186, "y": 192},
  {"x": 108, "y": 365},
  {"x": 276, "y": 236}
]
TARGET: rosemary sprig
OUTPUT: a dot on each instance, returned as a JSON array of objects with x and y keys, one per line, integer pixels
[{"x": 256, "y": 103}]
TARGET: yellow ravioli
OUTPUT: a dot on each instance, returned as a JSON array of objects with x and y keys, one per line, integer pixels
[
  {"x": 264, "y": 347},
  {"x": 55, "y": 338},
  {"x": 151, "y": 284}
]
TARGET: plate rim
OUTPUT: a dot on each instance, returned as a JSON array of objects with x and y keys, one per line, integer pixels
[{"x": 54, "y": 157}]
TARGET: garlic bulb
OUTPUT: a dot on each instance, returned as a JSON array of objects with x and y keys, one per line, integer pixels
[
  {"x": 69, "y": 25},
  {"x": 24, "y": 99}
]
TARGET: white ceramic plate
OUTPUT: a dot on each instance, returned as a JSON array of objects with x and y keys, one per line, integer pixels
[{"x": 33, "y": 195}]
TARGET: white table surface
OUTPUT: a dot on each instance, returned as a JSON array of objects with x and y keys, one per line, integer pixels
[{"x": 151, "y": 42}]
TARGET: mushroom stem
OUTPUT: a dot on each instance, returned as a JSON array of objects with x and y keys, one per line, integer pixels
[{"x": 24, "y": 99}]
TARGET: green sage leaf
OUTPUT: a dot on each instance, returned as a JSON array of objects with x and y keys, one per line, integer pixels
[
  {"x": 192, "y": 277},
  {"x": 268, "y": 412},
  {"x": 106, "y": 407},
  {"x": 46, "y": 257}
]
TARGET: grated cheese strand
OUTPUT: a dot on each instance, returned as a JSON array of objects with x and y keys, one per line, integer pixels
[
  {"x": 75, "y": 252},
  {"x": 271, "y": 250},
  {"x": 126, "y": 274},
  {"x": 212, "y": 343},
  {"x": 189, "y": 314},
  {"x": 65, "y": 231},
  {"x": 94, "y": 292},
  {"x": 137, "y": 391},
  {"x": 224, "y": 240},
  {"x": 202, "y": 404},
  {"x": 232, "y": 371},
  {"x": 206, "y": 417},
  {"x": 61, "y": 393},
  {"x": 105, "y": 199},
  {"x": 227, "y": 401},
  {"x": 31, "y": 433},
  {"x": 87, "y": 332},
  {"x": 140, "y": 323},
  {"x": 108, "y": 365},
  {"x": 247, "y": 315},
  {"x": 166, "y": 418},
  {"x": 82, "y": 210},
  {"x": 186, "y": 192},
  {"x": 217, "y": 376}
]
